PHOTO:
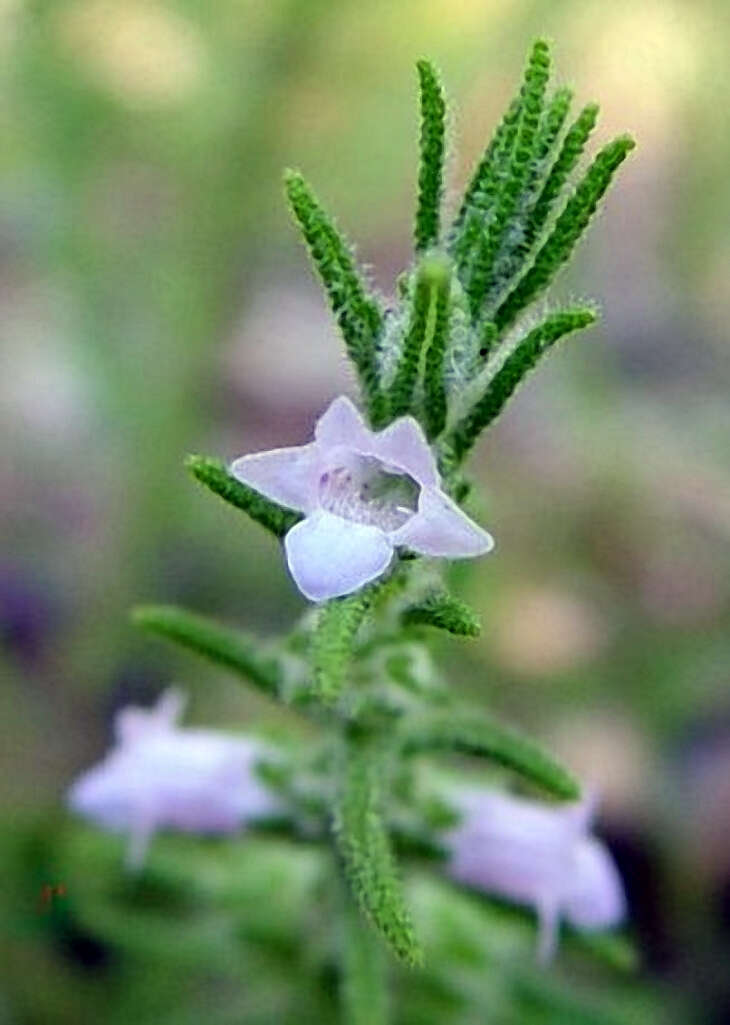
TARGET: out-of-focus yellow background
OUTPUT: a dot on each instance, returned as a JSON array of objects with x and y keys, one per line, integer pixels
[{"x": 154, "y": 300}]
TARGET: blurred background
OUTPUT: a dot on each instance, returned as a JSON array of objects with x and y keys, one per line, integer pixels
[{"x": 156, "y": 301}]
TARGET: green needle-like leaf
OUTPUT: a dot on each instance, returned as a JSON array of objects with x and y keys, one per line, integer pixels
[
  {"x": 358, "y": 313},
  {"x": 573, "y": 145},
  {"x": 445, "y": 612},
  {"x": 363, "y": 989},
  {"x": 213, "y": 474},
  {"x": 568, "y": 229},
  {"x": 470, "y": 732},
  {"x": 515, "y": 367},
  {"x": 364, "y": 846},
  {"x": 519, "y": 239},
  {"x": 333, "y": 640},
  {"x": 533, "y": 91},
  {"x": 437, "y": 336},
  {"x": 479, "y": 190},
  {"x": 427, "y": 332},
  {"x": 221, "y": 644},
  {"x": 551, "y": 126},
  {"x": 431, "y": 173}
]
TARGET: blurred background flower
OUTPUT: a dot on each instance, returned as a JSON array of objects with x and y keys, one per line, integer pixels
[{"x": 155, "y": 302}]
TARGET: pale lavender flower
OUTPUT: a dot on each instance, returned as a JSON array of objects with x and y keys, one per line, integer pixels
[
  {"x": 363, "y": 494},
  {"x": 539, "y": 855},
  {"x": 161, "y": 776}
]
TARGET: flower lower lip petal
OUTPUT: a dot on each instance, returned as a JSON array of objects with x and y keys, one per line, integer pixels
[{"x": 329, "y": 556}]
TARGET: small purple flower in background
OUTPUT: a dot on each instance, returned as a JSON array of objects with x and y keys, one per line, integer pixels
[
  {"x": 363, "y": 493},
  {"x": 161, "y": 776},
  {"x": 539, "y": 855}
]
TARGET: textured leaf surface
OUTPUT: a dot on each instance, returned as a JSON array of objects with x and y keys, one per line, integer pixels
[
  {"x": 513, "y": 370},
  {"x": 431, "y": 173},
  {"x": 221, "y": 644},
  {"x": 334, "y": 637},
  {"x": 444, "y": 611},
  {"x": 358, "y": 312},
  {"x": 568, "y": 229},
  {"x": 475, "y": 734},
  {"x": 363, "y": 988},
  {"x": 213, "y": 474},
  {"x": 364, "y": 845},
  {"x": 516, "y": 177}
]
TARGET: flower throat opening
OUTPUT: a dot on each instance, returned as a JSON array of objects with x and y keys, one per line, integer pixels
[{"x": 365, "y": 490}]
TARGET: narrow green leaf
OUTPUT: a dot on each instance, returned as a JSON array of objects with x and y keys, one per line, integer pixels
[
  {"x": 428, "y": 326},
  {"x": 480, "y": 189},
  {"x": 358, "y": 312},
  {"x": 519, "y": 238},
  {"x": 573, "y": 145},
  {"x": 551, "y": 125},
  {"x": 220, "y": 644},
  {"x": 363, "y": 988},
  {"x": 364, "y": 846},
  {"x": 442, "y": 610},
  {"x": 515, "y": 367},
  {"x": 400, "y": 397},
  {"x": 533, "y": 91},
  {"x": 213, "y": 474},
  {"x": 431, "y": 173},
  {"x": 437, "y": 336},
  {"x": 470, "y": 732},
  {"x": 334, "y": 637},
  {"x": 568, "y": 229}
]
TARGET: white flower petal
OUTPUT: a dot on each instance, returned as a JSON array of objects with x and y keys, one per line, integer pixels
[
  {"x": 285, "y": 475},
  {"x": 440, "y": 528},
  {"x": 539, "y": 855},
  {"x": 404, "y": 445},
  {"x": 132, "y": 723},
  {"x": 167, "y": 777},
  {"x": 595, "y": 897},
  {"x": 341, "y": 426},
  {"x": 330, "y": 557}
]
